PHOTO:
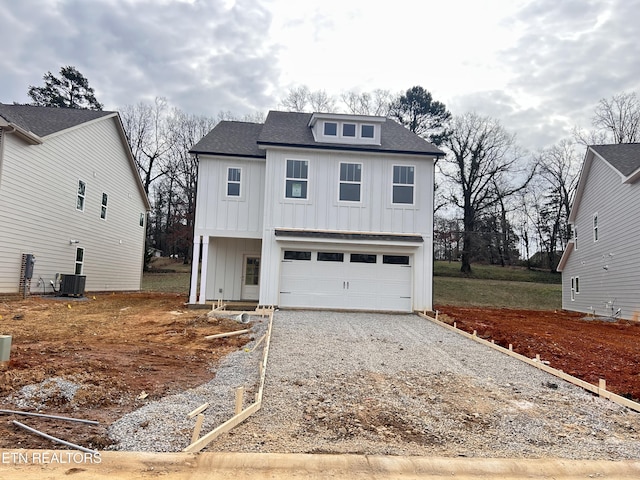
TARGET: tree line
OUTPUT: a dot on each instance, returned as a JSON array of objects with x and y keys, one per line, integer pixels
[{"x": 494, "y": 202}]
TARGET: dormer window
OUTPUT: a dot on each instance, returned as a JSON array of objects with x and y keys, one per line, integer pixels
[
  {"x": 348, "y": 129},
  {"x": 330, "y": 129},
  {"x": 366, "y": 131}
]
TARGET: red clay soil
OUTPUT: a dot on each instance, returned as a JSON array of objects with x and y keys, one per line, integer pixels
[
  {"x": 120, "y": 350},
  {"x": 588, "y": 349}
]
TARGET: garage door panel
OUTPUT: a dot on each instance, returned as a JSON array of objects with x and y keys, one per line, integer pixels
[{"x": 346, "y": 285}]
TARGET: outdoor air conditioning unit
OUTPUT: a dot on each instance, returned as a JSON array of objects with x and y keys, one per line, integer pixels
[{"x": 72, "y": 285}]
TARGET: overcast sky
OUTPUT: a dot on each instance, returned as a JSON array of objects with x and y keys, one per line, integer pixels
[{"x": 538, "y": 66}]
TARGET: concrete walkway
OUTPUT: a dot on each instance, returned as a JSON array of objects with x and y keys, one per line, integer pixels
[{"x": 55, "y": 464}]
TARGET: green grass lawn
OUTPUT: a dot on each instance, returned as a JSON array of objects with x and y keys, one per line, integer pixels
[
  {"x": 494, "y": 286},
  {"x": 168, "y": 276},
  {"x": 488, "y": 286}
]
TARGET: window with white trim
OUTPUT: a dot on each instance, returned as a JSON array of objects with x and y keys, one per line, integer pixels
[
  {"x": 103, "y": 206},
  {"x": 350, "y": 182},
  {"x": 142, "y": 219},
  {"x": 367, "y": 131},
  {"x": 403, "y": 184},
  {"x": 348, "y": 129},
  {"x": 575, "y": 238},
  {"x": 575, "y": 287},
  {"x": 82, "y": 189},
  {"x": 297, "y": 179},
  {"x": 330, "y": 129},
  {"x": 595, "y": 227},
  {"x": 79, "y": 260},
  {"x": 234, "y": 176}
]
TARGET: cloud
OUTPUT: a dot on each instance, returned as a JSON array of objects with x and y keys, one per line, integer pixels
[
  {"x": 203, "y": 56},
  {"x": 568, "y": 56}
]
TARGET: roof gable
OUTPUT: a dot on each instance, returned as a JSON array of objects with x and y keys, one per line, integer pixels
[
  {"x": 624, "y": 157},
  {"x": 33, "y": 122},
  {"x": 44, "y": 121}
]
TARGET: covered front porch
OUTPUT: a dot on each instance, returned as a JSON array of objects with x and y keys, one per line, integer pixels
[{"x": 229, "y": 270}]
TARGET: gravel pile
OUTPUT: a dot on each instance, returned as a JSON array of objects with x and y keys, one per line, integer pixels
[
  {"x": 390, "y": 384},
  {"x": 54, "y": 390}
]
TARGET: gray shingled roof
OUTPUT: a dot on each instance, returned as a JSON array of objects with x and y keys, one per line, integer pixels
[
  {"x": 292, "y": 129},
  {"x": 44, "y": 121},
  {"x": 231, "y": 138},
  {"x": 624, "y": 157}
]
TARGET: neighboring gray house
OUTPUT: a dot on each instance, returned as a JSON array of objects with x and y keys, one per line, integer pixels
[
  {"x": 315, "y": 211},
  {"x": 600, "y": 267},
  {"x": 71, "y": 197}
]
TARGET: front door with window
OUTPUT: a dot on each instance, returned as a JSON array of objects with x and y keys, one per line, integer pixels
[{"x": 251, "y": 278}]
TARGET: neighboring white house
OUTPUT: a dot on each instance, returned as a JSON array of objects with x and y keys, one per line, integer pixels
[
  {"x": 315, "y": 211},
  {"x": 600, "y": 274},
  {"x": 71, "y": 197}
]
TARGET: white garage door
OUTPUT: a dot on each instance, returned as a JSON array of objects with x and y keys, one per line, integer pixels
[{"x": 345, "y": 280}]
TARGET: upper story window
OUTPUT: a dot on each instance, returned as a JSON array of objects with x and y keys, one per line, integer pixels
[
  {"x": 103, "y": 207},
  {"x": 350, "y": 182},
  {"x": 366, "y": 131},
  {"x": 348, "y": 129},
  {"x": 297, "y": 179},
  {"x": 575, "y": 237},
  {"x": 595, "y": 227},
  {"x": 403, "y": 184},
  {"x": 142, "y": 219},
  {"x": 234, "y": 176},
  {"x": 82, "y": 188},
  {"x": 330, "y": 129}
]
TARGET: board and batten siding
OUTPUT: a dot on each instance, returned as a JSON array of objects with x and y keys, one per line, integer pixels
[
  {"x": 38, "y": 193},
  {"x": 608, "y": 268},
  {"x": 226, "y": 266},
  {"x": 322, "y": 209},
  {"x": 217, "y": 214}
]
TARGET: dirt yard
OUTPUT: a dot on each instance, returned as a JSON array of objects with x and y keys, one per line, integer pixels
[
  {"x": 587, "y": 349},
  {"x": 99, "y": 358}
]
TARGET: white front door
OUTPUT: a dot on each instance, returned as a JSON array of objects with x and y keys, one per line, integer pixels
[{"x": 251, "y": 278}]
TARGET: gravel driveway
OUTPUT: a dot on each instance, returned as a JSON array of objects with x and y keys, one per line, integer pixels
[
  {"x": 388, "y": 384},
  {"x": 401, "y": 385}
]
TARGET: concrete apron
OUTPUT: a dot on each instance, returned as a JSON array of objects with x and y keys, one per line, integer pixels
[{"x": 53, "y": 464}]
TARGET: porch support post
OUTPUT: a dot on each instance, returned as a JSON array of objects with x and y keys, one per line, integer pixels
[
  {"x": 203, "y": 269},
  {"x": 193, "y": 291}
]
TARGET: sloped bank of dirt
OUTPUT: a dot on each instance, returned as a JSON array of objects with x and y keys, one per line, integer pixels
[
  {"x": 588, "y": 349},
  {"x": 99, "y": 358}
]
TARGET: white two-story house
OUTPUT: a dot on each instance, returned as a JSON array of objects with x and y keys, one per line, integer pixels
[{"x": 326, "y": 211}]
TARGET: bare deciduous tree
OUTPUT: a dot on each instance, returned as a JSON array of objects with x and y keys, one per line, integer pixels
[
  {"x": 297, "y": 99},
  {"x": 376, "y": 103},
  {"x": 145, "y": 127},
  {"x": 482, "y": 154},
  {"x": 559, "y": 169},
  {"x": 620, "y": 117}
]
